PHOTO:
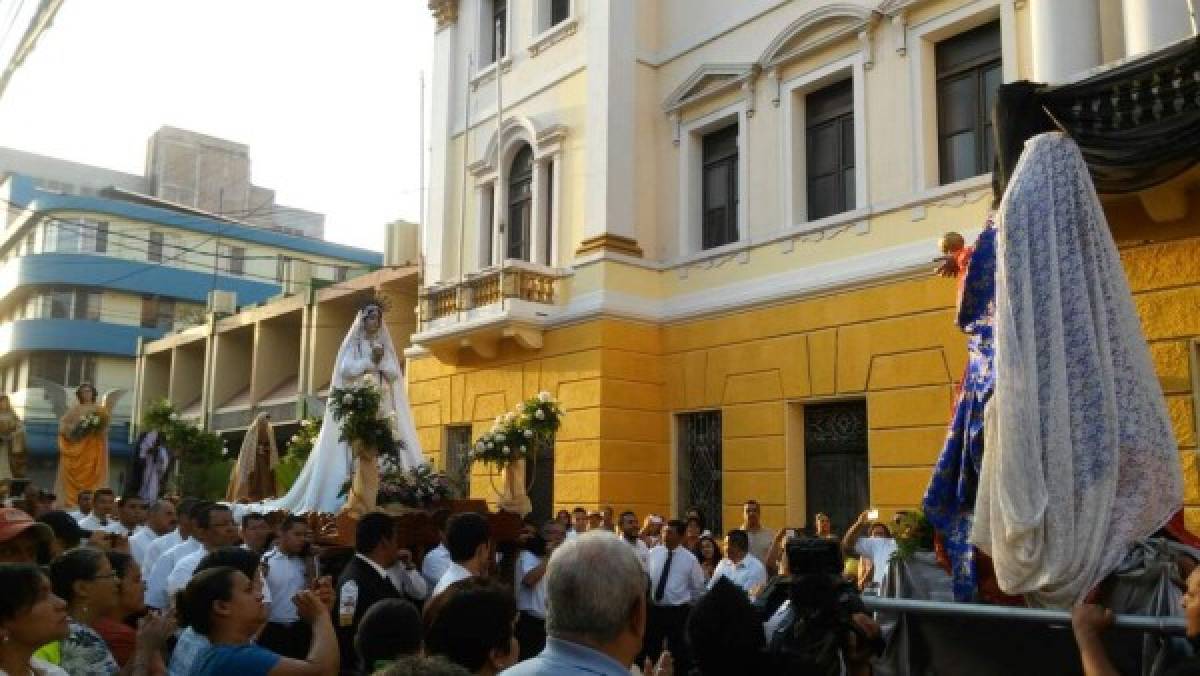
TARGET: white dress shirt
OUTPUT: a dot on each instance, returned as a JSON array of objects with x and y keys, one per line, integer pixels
[
  {"x": 77, "y": 515},
  {"x": 286, "y": 577},
  {"x": 880, "y": 551},
  {"x": 139, "y": 543},
  {"x": 748, "y": 573},
  {"x": 410, "y": 583},
  {"x": 158, "y": 546},
  {"x": 642, "y": 552},
  {"x": 437, "y": 560},
  {"x": 184, "y": 568},
  {"x": 93, "y": 523},
  {"x": 531, "y": 600},
  {"x": 453, "y": 574},
  {"x": 156, "y": 587},
  {"x": 685, "y": 578}
]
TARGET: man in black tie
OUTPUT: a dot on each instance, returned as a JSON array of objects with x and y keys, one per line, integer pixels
[
  {"x": 676, "y": 580},
  {"x": 364, "y": 581}
]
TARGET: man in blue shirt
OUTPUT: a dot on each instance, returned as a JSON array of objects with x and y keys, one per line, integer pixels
[{"x": 597, "y": 632}]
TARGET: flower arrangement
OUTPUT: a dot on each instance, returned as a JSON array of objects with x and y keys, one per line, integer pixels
[
  {"x": 89, "y": 424},
  {"x": 301, "y": 443},
  {"x": 418, "y": 487},
  {"x": 514, "y": 434},
  {"x": 357, "y": 409},
  {"x": 913, "y": 533}
]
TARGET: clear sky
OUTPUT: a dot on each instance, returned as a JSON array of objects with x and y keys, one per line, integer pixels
[{"x": 325, "y": 94}]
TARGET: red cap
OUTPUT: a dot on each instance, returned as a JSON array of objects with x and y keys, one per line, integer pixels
[{"x": 13, "y": 522}]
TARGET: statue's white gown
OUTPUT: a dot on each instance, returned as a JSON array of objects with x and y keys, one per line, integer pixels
[{"x": 331, "y": 462}]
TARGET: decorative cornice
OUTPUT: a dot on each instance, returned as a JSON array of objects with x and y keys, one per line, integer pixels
[
  {"x": 610, "y": 242},
  {"x": 856, "y": 21},
  {"x": 445, "y": 12}
]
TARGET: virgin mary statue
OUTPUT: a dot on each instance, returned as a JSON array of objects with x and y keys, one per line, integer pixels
[{"x": 366, "y": 354}]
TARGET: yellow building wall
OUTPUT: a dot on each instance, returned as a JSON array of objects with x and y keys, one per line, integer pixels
[{"x": 893, "y": 345}]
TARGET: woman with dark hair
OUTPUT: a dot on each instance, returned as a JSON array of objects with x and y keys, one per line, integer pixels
[
  {"x": 226, "y": 606},
  {"x": 115, "y": 626},
  {"x": 86, "y": 580},
  {"x": 390, "y": 630},
  {"x": 473, "y": 623},
  {"x": 708, "y": 553},
  {"x": 31, "y": 616}
]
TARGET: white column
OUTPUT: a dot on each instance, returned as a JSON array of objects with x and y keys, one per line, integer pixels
[
  {"x": 1150, "y": 24},
  {"x": 537, "y": 213},
  {"x": 499, "y": 216},
  {"x": 444, "y": 171},
  {"x": 554, "y": 227},
  {"x": 609, "y": 199},
  {"x": 1066, "y": 38}
]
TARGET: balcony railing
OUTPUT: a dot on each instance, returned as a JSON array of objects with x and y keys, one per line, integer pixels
[{"x": 514, "y": 281}]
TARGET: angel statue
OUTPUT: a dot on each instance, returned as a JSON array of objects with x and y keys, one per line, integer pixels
[
  {"x": 82, "y": 437},
  {"x": 366, "y": 355},
  {"x": 12, "y": 442},
  {"x": 253, "y": 475}
]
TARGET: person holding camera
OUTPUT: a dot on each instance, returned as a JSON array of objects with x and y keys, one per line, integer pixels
[
  {"x": 822, "y": 628},
  {"x": 877, "y": 548},
  {"x": 530, "y": 583}
]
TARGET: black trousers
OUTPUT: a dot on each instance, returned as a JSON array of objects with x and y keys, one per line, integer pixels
[
  {"x": 289, "y": 640},
  {"x": 531, "y": 635},
  {"x": 668, "y": 623}
]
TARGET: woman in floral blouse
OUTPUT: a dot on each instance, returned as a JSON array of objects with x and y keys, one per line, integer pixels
[{"x": 85, "y": 579}]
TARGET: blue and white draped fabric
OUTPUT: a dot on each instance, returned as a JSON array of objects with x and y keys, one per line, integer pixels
[
  {"x": 1081, "y": 459},
  {"x": 950, "y": 497}
]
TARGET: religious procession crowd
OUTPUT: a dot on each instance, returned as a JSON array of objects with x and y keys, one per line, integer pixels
[{"x": 180, "y": 587}]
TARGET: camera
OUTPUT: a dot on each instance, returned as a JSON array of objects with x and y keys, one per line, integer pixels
[{"x": 818, "y": 618}]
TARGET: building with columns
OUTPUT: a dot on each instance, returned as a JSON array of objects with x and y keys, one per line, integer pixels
[{"x": 708, "y": 228}]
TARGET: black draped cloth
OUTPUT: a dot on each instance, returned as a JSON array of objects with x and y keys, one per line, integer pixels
[{"x": 1137, "y": 123}]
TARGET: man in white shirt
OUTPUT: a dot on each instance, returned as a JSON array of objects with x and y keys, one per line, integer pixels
[
  {"x": 467, "y": 538},
  {"x": 579, "y": 523},
  {"x": 163, "y": 543},
  {"x": 156, "y": 583},
  {"x": 256, "y": 531},
  {"x": 131, "y": 514},
  {"x": 290, "y": 569},
  {"x": 214, "y": 529},
  {"x": 530, "y": 583},
  {"x": 437, "y": 560},
  {"x": 102, "y": 513},
  {"x": 760, "y": 538},
  {"x": 676, "y": 580},
  {"x": 739, "y": 565},
  {"x": 160, "y": 520},
  {"x": 631, "y": 531},
  {"x": 84, "y": 500}
]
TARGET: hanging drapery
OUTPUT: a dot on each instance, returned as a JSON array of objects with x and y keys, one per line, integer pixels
[
  {"x": 1081, "y": 460},
  {"x": 1137, "y": 123}
]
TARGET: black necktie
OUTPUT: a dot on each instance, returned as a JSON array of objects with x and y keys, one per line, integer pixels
[{"x": 661, "y": 588}]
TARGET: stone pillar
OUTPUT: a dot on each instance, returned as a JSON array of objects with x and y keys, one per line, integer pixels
[
  {"x": 1066, "y": 38},
  {"x": 611, "y": 177},
  {"x": 1151, "y": 24},
  {"x": 447, "y": 102}
]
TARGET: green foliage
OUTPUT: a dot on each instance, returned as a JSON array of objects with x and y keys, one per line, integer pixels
[
  {"x": 203, "y": 472},
  {"x": 913, "y": 533}
]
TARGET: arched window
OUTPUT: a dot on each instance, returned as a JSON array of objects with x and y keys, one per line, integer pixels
[{"x": 520, "y": 204}]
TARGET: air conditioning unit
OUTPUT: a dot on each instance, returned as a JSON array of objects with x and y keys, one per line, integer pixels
[
  {"x": 222, "y": 302},
  {"x": 297, "y": 277}
]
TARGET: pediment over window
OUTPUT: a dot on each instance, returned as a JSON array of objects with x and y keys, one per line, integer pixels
[
  {"x": 815, "y": 30},
  {"x": 709, "y": 80}
]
